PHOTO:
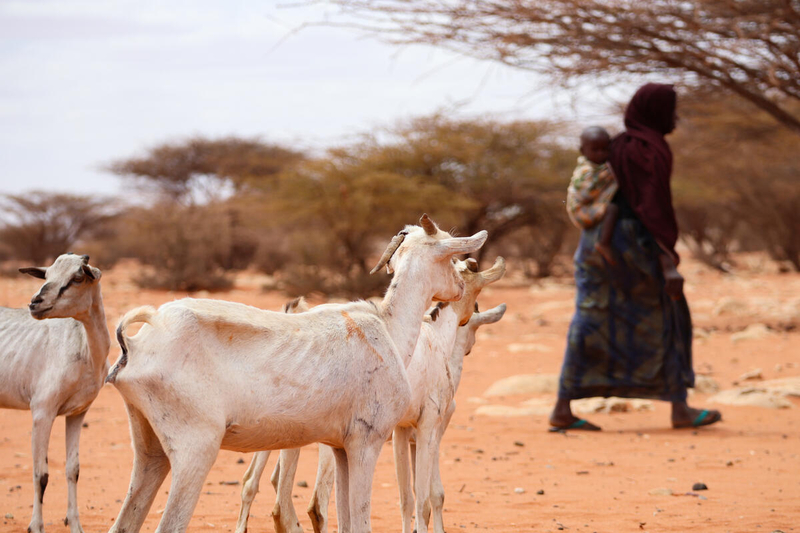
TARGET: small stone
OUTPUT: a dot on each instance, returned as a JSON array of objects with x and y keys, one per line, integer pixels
[
  {"x": 303, "y": 484},
  {"x": 699, "y": 486},
  {"x": 240, "y": 461},
  {"x": 519, "y": 490},
  {"x": 9, "y": 516},
  {"x": 661, "y": 491},
  {"x": 86, "y": 425},
  {"x": 729, "y": 463},
  {"x": 540, "y": 492},
  {"x": 519, "y": 443},
  {"x": 229, "y": 482}
]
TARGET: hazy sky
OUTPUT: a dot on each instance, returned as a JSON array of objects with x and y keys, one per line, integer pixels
[{"x": 87, "y": 82}]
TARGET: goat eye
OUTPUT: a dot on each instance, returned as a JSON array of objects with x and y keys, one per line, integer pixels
[{"x": 79, "y": 279}]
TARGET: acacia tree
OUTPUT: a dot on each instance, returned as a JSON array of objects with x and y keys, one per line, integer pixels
[
  {"x": 748, "y": 47},
  {"x": 199, "y": 170},
  {"x": 735, "y": 170},
  {"x": 39, "y": 226},
  {"x": 513, "y": 173}
]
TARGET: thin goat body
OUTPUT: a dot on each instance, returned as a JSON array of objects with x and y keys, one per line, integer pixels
[
  {"x": 433, "y": 384},
  {"x": 205, "y": 375},
  {"x": 433, "y": 392},
  {"x": 465, "y": 340},
  {"x": 53, "y": 360}
]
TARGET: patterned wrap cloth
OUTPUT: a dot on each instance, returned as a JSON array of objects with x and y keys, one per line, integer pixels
[
  {"x": 628, "y": 338},
  {"x": 590, "y": 190}
]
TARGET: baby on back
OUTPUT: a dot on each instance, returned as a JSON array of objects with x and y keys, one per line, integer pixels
[{"x": 592, "y": 187}]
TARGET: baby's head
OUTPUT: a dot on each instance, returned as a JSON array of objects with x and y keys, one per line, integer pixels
[{"x": 595, "y": 144}]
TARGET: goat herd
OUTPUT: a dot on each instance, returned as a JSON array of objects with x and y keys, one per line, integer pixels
[{"x": 205, "y": 375}]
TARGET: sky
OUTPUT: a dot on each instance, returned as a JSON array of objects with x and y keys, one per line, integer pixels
[{"x": 88, "y": 82}]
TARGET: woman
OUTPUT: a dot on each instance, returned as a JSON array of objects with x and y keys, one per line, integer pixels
[{"x": 631, "y": 335}]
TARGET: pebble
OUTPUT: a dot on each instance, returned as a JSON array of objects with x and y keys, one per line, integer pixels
[
  {"x": 519, "y": 490},
  {"x": 240, "y": 461},
  {"x": 9, "y": 516},
  {"x": 303, "y": 484},
  {"x": 699, "y": 486},
  {"x": 540, "y": 492},
  {"x": 519, "y": 443},
  {"x": 661, "y": 492}
]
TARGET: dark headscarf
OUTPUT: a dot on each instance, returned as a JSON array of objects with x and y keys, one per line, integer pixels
[{"x": 642, "y": 160}]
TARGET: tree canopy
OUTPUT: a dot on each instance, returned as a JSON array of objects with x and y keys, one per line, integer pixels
[{"x": 748, "y": 47}]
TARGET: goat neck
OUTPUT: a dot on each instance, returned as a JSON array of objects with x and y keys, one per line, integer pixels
[
  {"x": 403, "y": 307},
  {"x": 97, "y": 337}
]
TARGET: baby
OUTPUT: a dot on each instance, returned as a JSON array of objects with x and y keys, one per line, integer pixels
[{"x": 592, "y": 187}]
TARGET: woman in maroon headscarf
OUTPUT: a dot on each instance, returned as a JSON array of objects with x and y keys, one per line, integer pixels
[{"x": 631, "y": 335}]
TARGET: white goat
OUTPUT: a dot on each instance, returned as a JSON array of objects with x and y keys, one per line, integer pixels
[
  {"x": 430, "y": 375},
  {"x": 203, "y": 375},
  {"x": 465, "y": 340},
  {"x": 55, "y": 367}
]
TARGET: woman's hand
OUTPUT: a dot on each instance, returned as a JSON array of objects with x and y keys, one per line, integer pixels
[{"x": 673, "y": 281}]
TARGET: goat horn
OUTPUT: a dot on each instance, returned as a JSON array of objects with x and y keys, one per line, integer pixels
[
  {"x": 427, "y": 224},
  {"x": 397, "y": 240},
  {"x": 472, "y": 265}
]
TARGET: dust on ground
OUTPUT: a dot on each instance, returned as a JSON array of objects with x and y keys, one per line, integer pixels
[{"x": 502, "y": 470}]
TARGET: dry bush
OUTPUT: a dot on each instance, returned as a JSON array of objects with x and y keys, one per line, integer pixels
[
  {"x": 39, "y": 226},
  {"x": 186, "y": 247}
]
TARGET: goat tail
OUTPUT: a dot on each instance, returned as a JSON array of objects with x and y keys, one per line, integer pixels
[{"x": 140, "y": 314}]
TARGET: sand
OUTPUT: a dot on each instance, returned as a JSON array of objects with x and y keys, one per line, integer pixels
[{"x": 636, "y": 475}]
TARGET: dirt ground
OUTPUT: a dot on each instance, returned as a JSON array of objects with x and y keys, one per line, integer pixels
[{"x": 504, "y": 473}]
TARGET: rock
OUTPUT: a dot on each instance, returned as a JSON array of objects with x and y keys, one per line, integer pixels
[
  {"x": 302, "y": 484},
  {"x": 477, "y": 401},
  {"x": 229, "y": 482},
  {"x": 699, "y": 486},
  {"x": 752, "y": 332},
  {"x": 753, "y": 375},
  {"x": 524, "y": 384},
  {"x": 611, "y": 405},
  {"x": 540, "y": 492},
  {"x": 240, "y": 461},
  {"x": 9, "y": 516},
  {"x": 519, "y": 443},
  {"x": 507, "y": 411},
  {"x": 528, "y": 347},
  {"x": 784, "y": 386},
  {"x": 752, "y": 396},
  {"x": 730, "y": 306},
  {"x": 705, "y": 385},
  {"x": 519, "y": 490},
  {"x": 661, "y": 491}
]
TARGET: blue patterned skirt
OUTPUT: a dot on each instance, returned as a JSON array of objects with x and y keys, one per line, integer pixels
[{"x": 627, "y": 338}]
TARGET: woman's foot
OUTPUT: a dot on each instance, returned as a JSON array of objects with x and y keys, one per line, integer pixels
[
  {"x": 606, "y": 252},
  {"x": 562, "y": 419},
  {"x": 684, "y": 416}
]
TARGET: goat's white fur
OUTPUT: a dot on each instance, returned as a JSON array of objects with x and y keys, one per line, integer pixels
[
  {"x": 53, "y": 362},
  {"x": 203, "y": 375},
  {"x": 434, "y": 375}
]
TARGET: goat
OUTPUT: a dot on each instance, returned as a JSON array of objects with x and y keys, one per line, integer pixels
[
  {"x": 53, "y": 363},
  {"x": 430, "y": 377},
  {"x": 465, "y": 340},
  {"x": 202, "y": 375}
]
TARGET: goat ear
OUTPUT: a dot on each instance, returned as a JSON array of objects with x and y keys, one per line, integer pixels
[
  {"x": 36, "y": 272},
  {"x": 462, "y": 245},
  {"x": 92, "y": 272}
]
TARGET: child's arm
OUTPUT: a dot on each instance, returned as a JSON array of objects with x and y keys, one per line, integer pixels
[{"x": 673, "y": 281}]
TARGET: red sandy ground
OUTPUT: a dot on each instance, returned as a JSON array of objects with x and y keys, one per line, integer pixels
[{"x": 592, "y": 482}]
